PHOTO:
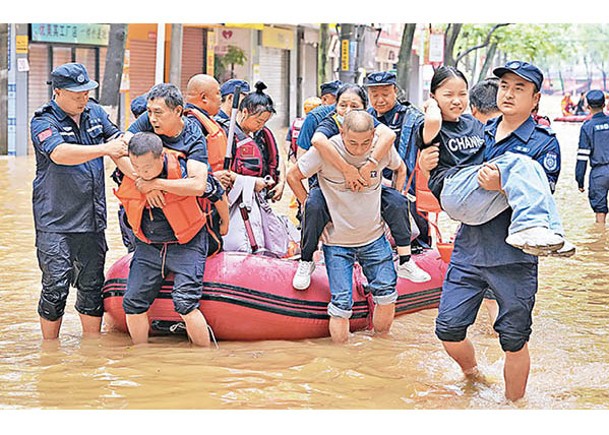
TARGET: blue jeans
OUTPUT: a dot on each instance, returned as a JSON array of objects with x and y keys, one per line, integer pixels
[
  {"x": 526, "y": 191},
  {"x": 377, "y": 264},
  {"x": 394, "y": 211}
]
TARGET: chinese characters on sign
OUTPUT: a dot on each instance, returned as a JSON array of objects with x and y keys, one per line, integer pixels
[{"x": 90, "y": 34}]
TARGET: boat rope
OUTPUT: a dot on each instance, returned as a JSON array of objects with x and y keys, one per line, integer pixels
[{"x": 213, "y": 337}]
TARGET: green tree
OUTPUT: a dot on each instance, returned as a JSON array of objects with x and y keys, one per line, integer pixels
[{"x": 234, "y": 56}]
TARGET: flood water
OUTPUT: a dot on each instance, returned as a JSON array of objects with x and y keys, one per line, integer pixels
[{"x": 407, "y": 371}]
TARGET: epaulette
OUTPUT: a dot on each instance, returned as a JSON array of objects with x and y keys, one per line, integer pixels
[
  {"x": 545, "y": 128},
  {"x": 44, "y": 108}
]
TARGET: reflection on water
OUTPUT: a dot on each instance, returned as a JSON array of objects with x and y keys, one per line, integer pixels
[{"x": 409, "y": 370}]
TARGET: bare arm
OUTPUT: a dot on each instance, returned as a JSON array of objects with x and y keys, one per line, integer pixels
[
  {"x": 75, "y": 154},
  {"x": 353, "y": 178},
  {"x": 399, "y": 178},
  {"x": 385, "y": 138},
  {"x": 193, "y": 185},
  {"x": 433, "y": 120},
  {"x": 223, "y": 212},
  {"x": 295, "y": 178}
]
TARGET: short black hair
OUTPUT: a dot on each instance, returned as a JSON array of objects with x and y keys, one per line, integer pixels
[
  {"x": 145, "y": 142},
  {"x": 169, "y": 93},
  {"x": 483, "y": 95}
]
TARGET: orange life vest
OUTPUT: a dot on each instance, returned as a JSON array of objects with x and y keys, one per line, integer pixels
[
  {"x": 215, "y": 137},
  {"x": 183, "y": 213}
]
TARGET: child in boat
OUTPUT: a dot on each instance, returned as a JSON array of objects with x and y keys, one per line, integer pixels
[
  {"x": 356, "y": 231},
  {"x": 169, "y": 239},
  {"x": 535, "y": 224}
]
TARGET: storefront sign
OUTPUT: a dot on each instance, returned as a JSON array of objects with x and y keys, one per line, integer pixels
[
  {"x": 344, "y": 55},
  {"x": 89, "y": 34},
  {"x": 210, "y": 62},
  {"x": 436, "y": 47},
  {"x": 278, "y": 38},
  {"x": 21, "y": 44}
]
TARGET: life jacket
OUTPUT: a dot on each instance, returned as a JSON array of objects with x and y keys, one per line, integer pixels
[
  {"x": 184, "y": 213},
  {"x": 248, "y": 158},
  {"x": 216, "y": 138},
  {"x": 296, "y": 127}
]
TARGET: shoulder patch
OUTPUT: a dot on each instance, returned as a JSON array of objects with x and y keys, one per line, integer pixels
[
  {"x": 550, "y": 161},
  {"x": 45, "y": 134}
]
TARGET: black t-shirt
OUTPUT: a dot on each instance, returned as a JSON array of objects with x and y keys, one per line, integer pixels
[{"x": 461, "y": 144}]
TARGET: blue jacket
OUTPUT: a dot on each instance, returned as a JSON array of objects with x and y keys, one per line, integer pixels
[
  {"x": 484, "y": 245},
  {"x": 593, "y": 145},
  {"x": 69, "y": 199},
  {"x": 404, "y": 121},
  {"x": 312, "y": 120}
]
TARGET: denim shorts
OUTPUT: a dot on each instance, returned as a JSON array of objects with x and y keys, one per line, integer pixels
[
  {"x": 152, "y": 261},
  {"x": 376, "y": 260},
  {"x": 514, "y": 287}
]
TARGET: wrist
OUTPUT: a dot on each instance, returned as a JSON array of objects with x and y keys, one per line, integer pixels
[{"x": 372, "y": 160}]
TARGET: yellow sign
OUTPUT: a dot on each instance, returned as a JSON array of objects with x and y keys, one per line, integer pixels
[
  {"x": 278, "y": 38},
  {"x": 21, "y": 42},
  {"x": 344, "y": 55},
  {"x": 209, "y": 63}
]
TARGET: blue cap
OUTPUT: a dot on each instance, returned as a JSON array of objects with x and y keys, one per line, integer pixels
[
  {"x": 595, "y": 98},
  {"x": 72, "y": 77},
  {"x": 523, "y": 69},
  {"x": 330, "y": 87},
  {"x": 139, "y": 104},
  {"x": 380, "y": 78},
  {"x": 228, "y": 87}
]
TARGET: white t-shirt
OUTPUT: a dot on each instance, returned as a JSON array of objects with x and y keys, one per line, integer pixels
[{"x": 356, "y": 216}]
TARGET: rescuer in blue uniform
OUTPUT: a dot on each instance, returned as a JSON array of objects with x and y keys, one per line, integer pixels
[
  {"x": 481, "y": 257},
  {"x": 404, "y": 120},
  {"x": 71, "y": 135},
  {"x": 594, "y": 148},
  {"x": 226, "y": 94}
]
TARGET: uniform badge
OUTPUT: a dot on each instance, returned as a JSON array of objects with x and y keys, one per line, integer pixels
[
  {"x": 81, "y": 78},
  {"x": 44, "y": 134},
  {"x": 550, "y": 161}
]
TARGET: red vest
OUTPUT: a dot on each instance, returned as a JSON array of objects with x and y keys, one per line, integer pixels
[
  {"x": 183, "y": 213},
  {"x": 296, "y": 127},
  {"x": 216, "y": 139},
  {"x": 248, "y": 158}
]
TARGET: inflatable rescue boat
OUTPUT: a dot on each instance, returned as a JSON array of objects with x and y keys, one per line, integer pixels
[{"x": 250, "y": 297}]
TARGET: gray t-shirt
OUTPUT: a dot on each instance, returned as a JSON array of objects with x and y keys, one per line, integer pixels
[{"x": 356, "y": 216}]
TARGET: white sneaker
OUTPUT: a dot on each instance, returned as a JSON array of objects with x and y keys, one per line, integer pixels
[
  {"x": 536, "y": 239},
  {"x": 412, "y": 272},
  {"x": 302, "y": 278},
  {"x": 567, "y": 250}
]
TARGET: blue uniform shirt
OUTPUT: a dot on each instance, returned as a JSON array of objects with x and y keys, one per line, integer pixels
[
  {"x": 405, "y": 144},
  {"x": 222, "y": 115},
  {"x": 312, "y": 120},
  {"x": 69, "y": 199},
  {"x": 190, "y": 141},
  {"x": 593, "y": 145},
  {"x": 484, "y": 245}
]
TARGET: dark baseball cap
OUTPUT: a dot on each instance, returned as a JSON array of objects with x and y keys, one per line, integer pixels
[
  {"x": 595, "y": 98},
  {"x": 330, "y": 87},
  {"x": 380, "y": 78},
  {"x": 525, "y": 70},
  {"x": 228, "y": 87},
  {"x": 72, "y": 77},
  {"x": 139, "y": 105}
]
